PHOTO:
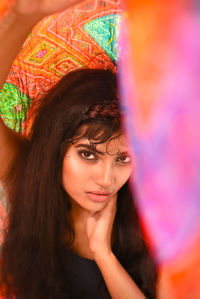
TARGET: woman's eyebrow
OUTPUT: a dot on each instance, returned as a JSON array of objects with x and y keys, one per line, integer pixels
[
  {"x": 125, "y": 153},
  {"x": 93, "y": 149},
  {"x": 89, "y": 147}
]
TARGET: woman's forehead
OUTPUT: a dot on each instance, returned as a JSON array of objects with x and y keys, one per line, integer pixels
[{"x": 115, "y": 144}]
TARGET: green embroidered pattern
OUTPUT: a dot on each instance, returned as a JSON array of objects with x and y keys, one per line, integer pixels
[
  {"x": 105, "y": 31},
  {"x": 13, "y": 106}
]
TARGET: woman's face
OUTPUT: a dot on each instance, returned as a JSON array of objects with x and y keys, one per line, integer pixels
[{"x": 92, "y": 175}]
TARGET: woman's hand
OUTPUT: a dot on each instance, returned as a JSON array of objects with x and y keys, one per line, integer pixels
[
  {"x": 41, "y": 8},
  {"x": 99, "y": 229}
]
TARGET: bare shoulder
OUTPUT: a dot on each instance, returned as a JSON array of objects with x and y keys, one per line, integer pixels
[{"x": 10, "y": 143}]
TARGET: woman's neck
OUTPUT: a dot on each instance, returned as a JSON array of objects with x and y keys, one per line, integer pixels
[{"x": 79, "y": 217}]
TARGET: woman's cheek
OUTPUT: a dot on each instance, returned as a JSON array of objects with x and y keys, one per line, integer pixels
[
  {"x": 73, "y": 171},
  {"x": 124, "y": 175}
]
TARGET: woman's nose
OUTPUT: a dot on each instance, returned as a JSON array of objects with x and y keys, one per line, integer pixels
[{"x": 105, "y": 175}]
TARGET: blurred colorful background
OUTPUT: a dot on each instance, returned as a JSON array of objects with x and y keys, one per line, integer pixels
[{"x": 157, "y": 49}]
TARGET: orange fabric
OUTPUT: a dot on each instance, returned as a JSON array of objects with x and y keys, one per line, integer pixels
[{"x": 180, "y": 279}]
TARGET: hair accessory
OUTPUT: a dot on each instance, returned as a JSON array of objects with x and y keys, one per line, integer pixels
[{"x": 104, "y": 110}]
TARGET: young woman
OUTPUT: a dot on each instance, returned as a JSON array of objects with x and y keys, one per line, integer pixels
[{"x": 73, "y": 230}]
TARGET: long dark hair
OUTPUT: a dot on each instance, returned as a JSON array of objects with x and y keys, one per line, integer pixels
[{"x": 39, "y": 230}]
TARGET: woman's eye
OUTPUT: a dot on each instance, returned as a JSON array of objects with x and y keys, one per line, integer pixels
[
  {"x": 87, "y": 155},
  {"x": 124, "y": 159}
]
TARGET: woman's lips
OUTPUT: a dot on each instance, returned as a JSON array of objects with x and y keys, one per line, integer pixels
[{"x": 98, "y": 197}]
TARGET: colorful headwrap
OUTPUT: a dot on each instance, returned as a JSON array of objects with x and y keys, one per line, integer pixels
[{"x": 82, "y": 36}]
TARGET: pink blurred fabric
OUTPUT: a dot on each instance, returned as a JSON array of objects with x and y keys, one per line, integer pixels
[{"x": 160, "y": 86}]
